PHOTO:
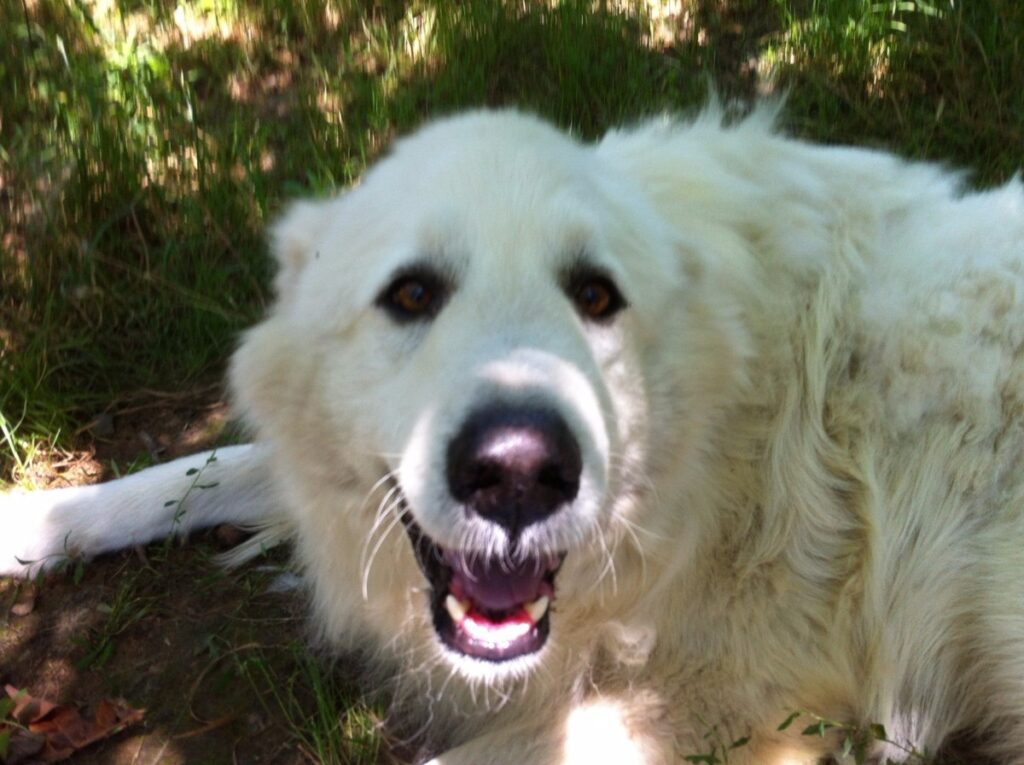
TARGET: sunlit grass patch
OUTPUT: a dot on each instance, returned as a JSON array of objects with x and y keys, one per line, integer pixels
[
  {"x": 304, "y": 693},
  {"x": 933, "y": 79}
]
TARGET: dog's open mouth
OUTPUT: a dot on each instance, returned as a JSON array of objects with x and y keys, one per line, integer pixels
[{"x": 485, "y": 608}]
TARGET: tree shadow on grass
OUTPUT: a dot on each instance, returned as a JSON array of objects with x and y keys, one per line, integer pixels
[{"x": 145, "y": 154}]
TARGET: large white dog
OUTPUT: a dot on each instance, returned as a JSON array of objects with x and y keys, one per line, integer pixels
[{"x": 620, "y": 453}]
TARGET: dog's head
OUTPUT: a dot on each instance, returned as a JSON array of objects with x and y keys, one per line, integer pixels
[{"x": 497, "y": 343}]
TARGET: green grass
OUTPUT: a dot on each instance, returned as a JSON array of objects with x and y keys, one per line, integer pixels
[
  {"x": 144, "y": 148},
  {"x": 329, "y": 719},
  {"x": 929, "y": 79}
]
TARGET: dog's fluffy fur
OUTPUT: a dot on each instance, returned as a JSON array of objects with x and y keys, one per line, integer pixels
[{"x": 802, "y": 439}]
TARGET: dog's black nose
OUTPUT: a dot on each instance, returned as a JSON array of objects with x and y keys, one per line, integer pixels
[{"x": 514, "y": 466}]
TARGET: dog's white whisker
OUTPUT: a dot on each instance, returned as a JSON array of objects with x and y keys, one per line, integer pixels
[
  {"x": 388, "y": 476},
  {"x": 382, "y": 516},
  {"x": 384, "y": 510},
  {"x": 609, "y": 562},
  {"x": 395, "y": 521},
  {"x": 630, "y": 531},
  {"x": 383, "y": 513}
]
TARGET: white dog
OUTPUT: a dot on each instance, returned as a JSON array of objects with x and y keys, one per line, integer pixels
[{"x": 624, "y": 452}]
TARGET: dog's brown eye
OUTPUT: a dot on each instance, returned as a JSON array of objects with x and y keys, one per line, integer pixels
[
  {"x": 597, "y": 298},
  {"x": 593, "y": 299},
  {"x": 413, "y": 295}
]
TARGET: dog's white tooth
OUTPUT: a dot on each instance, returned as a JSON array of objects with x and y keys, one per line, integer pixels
[
  {"x": 538, "y": 608},
  {"x": 456, "y": 609}
]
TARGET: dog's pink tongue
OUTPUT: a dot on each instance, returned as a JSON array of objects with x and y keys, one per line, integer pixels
[{"x": 498, "y": 585}]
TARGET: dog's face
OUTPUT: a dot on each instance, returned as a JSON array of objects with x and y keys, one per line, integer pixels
[{"x": 475, "y": 341}]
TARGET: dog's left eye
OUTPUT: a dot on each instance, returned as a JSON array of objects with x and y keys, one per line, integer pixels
[
  {"x": 597, "y": 298},
  {"x": 413, "y": 296}
]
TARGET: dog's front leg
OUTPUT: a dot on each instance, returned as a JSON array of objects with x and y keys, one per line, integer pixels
[{"x": 43, "y": 529}]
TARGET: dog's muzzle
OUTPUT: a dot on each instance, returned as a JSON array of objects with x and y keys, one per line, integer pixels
[{"x": 512, "y": 467}]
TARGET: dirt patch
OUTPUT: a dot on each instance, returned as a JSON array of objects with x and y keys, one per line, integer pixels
[
  {"x": 140, "y": 429},
  {"x": 167, "y": 635}
]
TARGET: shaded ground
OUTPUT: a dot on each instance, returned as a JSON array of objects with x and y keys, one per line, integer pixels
[
  {"x": 157, "y": 635},
  {"x": 164, "y": 628}
]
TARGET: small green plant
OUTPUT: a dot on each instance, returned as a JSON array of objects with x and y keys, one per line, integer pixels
[
  {"x": 196, "y": 474},
  {"x": 7, "y": 725},
  {"x": 720, "y": 747},
  {"x": 58, "y": 563},
  {"x": 126, "y": 608},
  {"x": 857, "y": 740}
]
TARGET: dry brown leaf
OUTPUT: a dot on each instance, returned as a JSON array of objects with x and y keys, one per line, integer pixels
[
  {"x": 27, "y": 708},
  {"x": 62, "y": 728}
]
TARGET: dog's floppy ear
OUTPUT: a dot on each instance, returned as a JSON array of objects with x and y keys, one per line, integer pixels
[{"x": 294, "y": 240}]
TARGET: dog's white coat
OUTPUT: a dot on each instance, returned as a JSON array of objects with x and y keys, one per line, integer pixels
[{"x": 802, "y": 440}]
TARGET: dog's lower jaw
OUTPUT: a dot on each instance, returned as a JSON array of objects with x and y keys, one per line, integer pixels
[
  {"x": 472, "y": 633},
  {"x": 487, "y": 610}
]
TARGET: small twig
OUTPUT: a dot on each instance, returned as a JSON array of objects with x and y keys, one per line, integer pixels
[
  {"x": 174, "y": 395},
  {"x": 220, "y": 722},
  {"x": 142, "y": 239},
  {"x": 151, "y": 445},
  {"x": 202, "y": 676},
  {"x": 138, "y": 752},
  {"x": 160, "y": 754},
  {"x": 150, "y": 398}
]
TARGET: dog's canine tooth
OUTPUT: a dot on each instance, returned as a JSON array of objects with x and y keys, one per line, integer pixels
[
  {"x": 538, "y": 608},
  {"x": 456, "y": 608}
]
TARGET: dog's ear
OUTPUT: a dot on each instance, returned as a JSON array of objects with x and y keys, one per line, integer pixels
[
  {"x": 294, "y": 239},
  {"x": 260, "y": 374}
]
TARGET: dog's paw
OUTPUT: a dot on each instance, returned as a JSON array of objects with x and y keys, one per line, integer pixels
[{"x": 29, "y": 543}]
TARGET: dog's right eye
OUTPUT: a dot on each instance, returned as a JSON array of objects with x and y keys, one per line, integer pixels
[
  {"x": 413, "y": 296},
  {"x": 596, "y": 297}
]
